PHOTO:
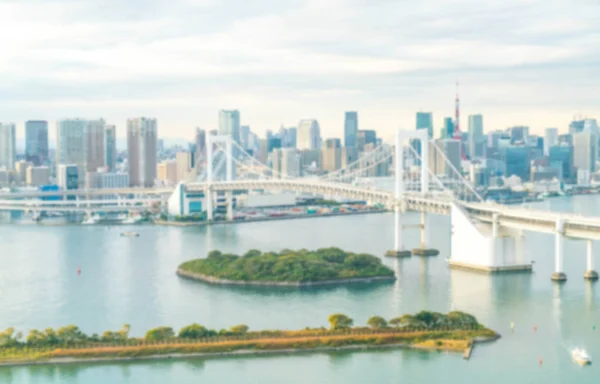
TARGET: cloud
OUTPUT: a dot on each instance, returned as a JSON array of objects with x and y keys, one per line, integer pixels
[{"x": 519, "y": 62}]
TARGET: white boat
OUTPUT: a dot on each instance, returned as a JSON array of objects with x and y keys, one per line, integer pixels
[
  {"x": 91, "y": 220},
  {"x": 130, "y": 234},
  {"x": 580, "y": 356},
  {"x": 132, "y": 220}
]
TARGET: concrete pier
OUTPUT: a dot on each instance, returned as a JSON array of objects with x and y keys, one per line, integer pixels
[
  {"x": 559, "y": 238},
  {"x": 590, "y": 273},
  {"x": 423, "y": 250}
]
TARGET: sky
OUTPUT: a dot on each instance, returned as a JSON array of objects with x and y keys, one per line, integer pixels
[{"x": 518, "y": 62}]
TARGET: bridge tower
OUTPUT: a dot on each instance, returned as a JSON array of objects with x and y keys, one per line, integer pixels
[
  {"x": 227, "y": 141},
  {"x": 399, "y": 250},
  {"x": 590, "y": 273}
]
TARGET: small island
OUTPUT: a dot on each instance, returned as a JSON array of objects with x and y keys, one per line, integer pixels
[
  {"x": 287, "y": 268},
  {"x": 455, "y": 331}
]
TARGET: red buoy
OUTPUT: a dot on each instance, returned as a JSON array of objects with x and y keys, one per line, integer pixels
[{"x": 78, "y": 271}]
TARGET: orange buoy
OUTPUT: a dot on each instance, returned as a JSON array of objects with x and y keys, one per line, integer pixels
[
  {"x": 534, "y": 328},
  {"x": 540, "y": 361},
  {"x": 78, "y": 271}
]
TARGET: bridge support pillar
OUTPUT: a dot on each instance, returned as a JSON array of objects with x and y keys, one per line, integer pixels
[
  {"x": 559, "y": 238},
  {"x": 209, "y": 204},
  {"x": 590, "y": 273},
  {"x": 423, "y": 250},
  {"x": 229, "y": 206},
  {"x": 398, "y": 250}
]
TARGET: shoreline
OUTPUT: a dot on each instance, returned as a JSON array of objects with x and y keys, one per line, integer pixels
[
  {"x": 267, "y": 218},
  {"x": 296, "y": 284},
  {"x": 241, "y": 353}
]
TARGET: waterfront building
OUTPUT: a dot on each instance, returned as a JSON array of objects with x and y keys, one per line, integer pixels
[
  {"x": 349, "y": 156},
  {"x": 167, "y": 172},
  {"x": 273, "y": 143},
  {"x": 309, "y": 135},
  {"x": 229, "y": 124},
  {"x": 110, "y": 148},
  {"x": 37, "y": 175},
  {"x": 312, "y": 158},
  {"x": 291, "y": 137},
  {"x": 8, "y": 146},
  {"x": 263, "y": 150},
  {"x": 5, "y": 177},
  {"x": 95, "y": 144},
  {"x": 476, "y": 137},
  {"x": 332, "y": 155},
  {"x": 425, "y": 121},
  {"x": 275, "y": 162},
  {"x": 585, "y": 151},
  {"x": 141, "y": 148},
  {"x": 36, "y": 141},
  {"x": 68, "y": 176},
  {"x": 550, "y": 139},
  {"x": 350, "y": 129},
  {"x": 107, "y": 180}
]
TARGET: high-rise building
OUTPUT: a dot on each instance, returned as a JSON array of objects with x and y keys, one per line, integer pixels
[
  {"x": 476, "y": 137},
  {"x": 550, "y": 139},
  {"x": 8, "y": 146},
  {"x": 95, "y": 145},
  {"x": 425, "y": 121},
  {"x": 451, "y": 150},
  {"x": 332, "y": 155},
  {"x": 448, "y": 129},
  {"x": 244, "y": 135},
  {"x": 200, "y": 145},
  {"x": 36, "y": 141},
  {"x": 291, "y": 162},
  {"x": 141, "y": 147},
  {"x": 291, "y": 137},
  {"x": 229, "y": 124},
  {"x": 110, "y": 148},
  {"x": 561, "y": 156},
  {"x": 365, "y": 137},
  {"x": 167, "y": 172},
  {"x": 576, "y": 126},
  {"x": 21, "y": 171},
  {"x": 585, "y": 151},
  {"x": 516, "y": 158},
  {"x": 519, "y": 134},
  {"x": 71, "y": 145},
  {"x": 184, "y": 170},
  {"x": 309, "y": 135},
  {"x": 275, "y": 162},
  {"x": 350, "y": 129}
]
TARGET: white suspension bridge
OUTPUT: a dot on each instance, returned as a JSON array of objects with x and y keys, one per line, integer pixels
[{"x": 485, "y": 236}]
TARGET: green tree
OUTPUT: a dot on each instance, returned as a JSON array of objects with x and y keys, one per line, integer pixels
[
  {"x": 340, "y": 321},
  {"x": 70, "y": 334},
  {"x": 458, "y": 318},
  {"x": 405, "y": 321},
  {"x": 8, "y": 337},
  {"x": 160, "y": 333},
  {"x": 239, "y": 329},
  {"x": 377, "y": 322},
  {"x": 193, "y": 331},
  {"x": 252, "y": 253}
]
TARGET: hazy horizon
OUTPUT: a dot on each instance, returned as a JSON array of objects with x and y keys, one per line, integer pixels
[{"x": 529, "y": 62}]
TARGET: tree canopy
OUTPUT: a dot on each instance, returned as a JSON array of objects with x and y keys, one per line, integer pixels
[
  {"x": 340, "y": 321},
  {"x": 377, "y": 322},
  {"x": 289, "y": 266}
]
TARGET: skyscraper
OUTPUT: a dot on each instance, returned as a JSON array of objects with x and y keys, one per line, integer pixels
[
  {"x": 36, "y": 141},
  {"x": 141, "y": 148},
  {"x": 476, "y": 138},
  {"x": 95, "y": 144},
  {"x": 425, "y": 121},
  {"x": 585, "y": 151},
  {"x": 550, "y": 139},
  {"x": 309, "y": 135},
  {"x": 110, "y": 148},
  {"x": 229, "y": 124},
  {"x": 350, "y": 129},
  {"x": 200, "y": 145},
  {"x": 8, "y": 146},
  {"x": 331, "y": 155},
  {"x": 448, "y": 129},
  {"x": 71, "y": 143},
  {"x": 244, "y": 135}
]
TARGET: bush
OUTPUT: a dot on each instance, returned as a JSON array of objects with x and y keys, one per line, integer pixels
[
  {"x": 193, "y": 331},
  {"x": 239, "y": 329}
]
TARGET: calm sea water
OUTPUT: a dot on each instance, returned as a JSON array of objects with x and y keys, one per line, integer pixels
[{"x": 132, "y": 280}]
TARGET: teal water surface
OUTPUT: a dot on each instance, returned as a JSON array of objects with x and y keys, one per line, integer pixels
[{"x": 132, "y": 280}]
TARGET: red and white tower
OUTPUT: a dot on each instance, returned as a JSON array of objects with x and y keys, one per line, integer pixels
[{"x": 457, "y": 132}]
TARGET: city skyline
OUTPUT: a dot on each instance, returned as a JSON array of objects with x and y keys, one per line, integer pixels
[{"x": 522, "y": 67}]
